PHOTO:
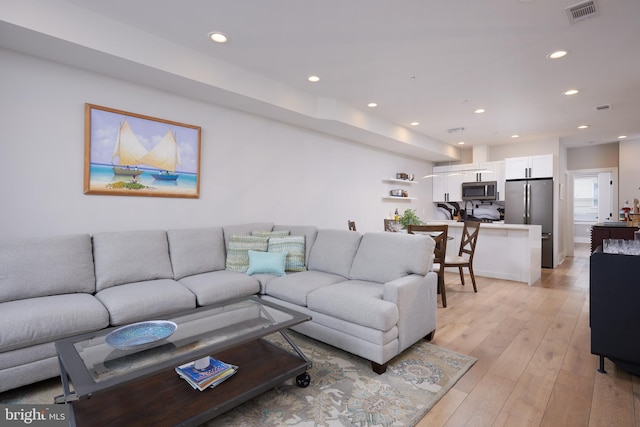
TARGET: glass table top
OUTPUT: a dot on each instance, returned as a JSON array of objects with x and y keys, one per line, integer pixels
[{"x": 93, "y": 363}]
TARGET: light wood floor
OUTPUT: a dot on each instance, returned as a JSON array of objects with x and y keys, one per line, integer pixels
[{"x": 534, "y": 363}]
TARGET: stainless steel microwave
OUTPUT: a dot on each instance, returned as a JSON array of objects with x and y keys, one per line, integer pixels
[{"x": 485, "y": 190}]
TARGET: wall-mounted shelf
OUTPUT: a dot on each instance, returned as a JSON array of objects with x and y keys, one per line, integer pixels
[
  {"x": 399, "y": 198},
  {"x": 400, "y": 181},
  {"x": 396, "y": 181}
]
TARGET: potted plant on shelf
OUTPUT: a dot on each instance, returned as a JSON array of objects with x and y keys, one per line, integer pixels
[{"x": 409, "y": 217}]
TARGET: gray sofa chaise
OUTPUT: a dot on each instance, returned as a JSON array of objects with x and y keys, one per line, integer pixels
[{"x": 370, "y": 294}]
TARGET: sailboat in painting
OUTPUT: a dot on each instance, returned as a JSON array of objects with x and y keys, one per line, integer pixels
[
  {"x": 164, "y": 156},
  {"x": 129, "y": 152}
]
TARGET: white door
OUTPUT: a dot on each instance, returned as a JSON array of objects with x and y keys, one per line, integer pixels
[{"x": 606, "y": 210}]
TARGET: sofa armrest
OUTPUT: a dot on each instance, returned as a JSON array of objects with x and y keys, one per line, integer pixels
[{"x": 416, "y": 297}]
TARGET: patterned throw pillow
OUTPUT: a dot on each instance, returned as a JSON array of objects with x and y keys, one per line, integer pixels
[
  {"x": 239, "y": 246},
  {"x": 266, "y": 263},
  {"x": 279, "y": 233},
  {"x": 295, "y": 248}
]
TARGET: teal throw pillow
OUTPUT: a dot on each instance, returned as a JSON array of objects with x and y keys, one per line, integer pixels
[
  {"x": 295, "y": 248},
  {"x": 237, "y": 251},
  {"x": 266, "y": 263}
]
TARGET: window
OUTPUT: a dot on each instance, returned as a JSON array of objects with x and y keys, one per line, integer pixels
[{"x": 585, "y": 197}]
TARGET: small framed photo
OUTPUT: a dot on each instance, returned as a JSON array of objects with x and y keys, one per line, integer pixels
[{"x": 127, "y": 154}]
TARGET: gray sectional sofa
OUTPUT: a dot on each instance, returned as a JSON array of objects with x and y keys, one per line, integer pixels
[{"x": 370, "y": 294}]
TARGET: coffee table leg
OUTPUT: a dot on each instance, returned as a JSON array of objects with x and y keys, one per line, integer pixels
[
  {"x": 295, "y": 347},
  {"x": 68, "y": 395},
  {"x": 302, "y": 380}
]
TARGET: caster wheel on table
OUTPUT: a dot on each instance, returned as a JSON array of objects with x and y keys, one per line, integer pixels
[{"x": 303, "y": 380}]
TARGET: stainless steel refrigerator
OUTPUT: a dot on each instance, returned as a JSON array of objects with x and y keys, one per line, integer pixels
[{"x": 530, "y": 201}]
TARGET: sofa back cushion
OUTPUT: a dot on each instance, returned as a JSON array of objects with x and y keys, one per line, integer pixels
[
  {"x": 196, "y": 250},
  {"x": 46, "y": 266},
  {"x": 244, "y": 229},
  {"x": 383, "y": 257},
  {"x": 130, "y": 256},
  {"x": 308, "y": 231},
  {"x": 333, "y": 251}
]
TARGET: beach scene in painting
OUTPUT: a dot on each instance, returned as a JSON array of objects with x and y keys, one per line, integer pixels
[{"x": 139, "y": 156}]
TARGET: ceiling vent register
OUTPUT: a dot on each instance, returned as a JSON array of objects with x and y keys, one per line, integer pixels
[{"x": 581, "y": 11}]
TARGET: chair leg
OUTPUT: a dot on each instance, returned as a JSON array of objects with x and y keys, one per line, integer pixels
[
  {"x": 473, "y": 278},
  {"x": 461, "y": 275},
  {"x": 442, "y": 291}
]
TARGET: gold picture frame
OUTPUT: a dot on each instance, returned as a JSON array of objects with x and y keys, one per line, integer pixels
[{"x": 128, "y": 154}]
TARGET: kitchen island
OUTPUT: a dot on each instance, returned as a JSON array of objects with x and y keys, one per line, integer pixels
[{"x": 503, "y": 251}]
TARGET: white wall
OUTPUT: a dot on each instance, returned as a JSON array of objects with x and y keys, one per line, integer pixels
[
  {"x": 531, "y": 148},
  {"x": 629, "y": 179},
  {"x": 593, "y": 156},
  {"x": 252, "y": 169}
]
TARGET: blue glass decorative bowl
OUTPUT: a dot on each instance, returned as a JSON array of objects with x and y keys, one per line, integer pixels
[{"x": 139, "y": 334}]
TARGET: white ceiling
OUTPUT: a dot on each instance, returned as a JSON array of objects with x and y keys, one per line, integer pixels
[{"x": 434, "y": 62}]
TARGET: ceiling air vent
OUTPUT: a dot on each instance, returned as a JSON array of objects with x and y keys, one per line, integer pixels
[
  {"x": 581, "y": 11},
  {"x": 603, "y": 107},
  {"x": 454, "y": 130}
]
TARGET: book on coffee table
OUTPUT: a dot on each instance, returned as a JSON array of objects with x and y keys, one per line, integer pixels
[{"x": 209, "y": 377}]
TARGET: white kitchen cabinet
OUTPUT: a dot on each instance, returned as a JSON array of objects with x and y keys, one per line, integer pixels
[
  {"x": 447, "y": 183},
  {"x": 529, "y": 167}
]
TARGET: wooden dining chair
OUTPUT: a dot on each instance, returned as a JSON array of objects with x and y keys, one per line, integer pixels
[
  {"x": 439, "y": 234},
  {"x": 467, "y": 249},
  {"x": 352, "y": 225}
]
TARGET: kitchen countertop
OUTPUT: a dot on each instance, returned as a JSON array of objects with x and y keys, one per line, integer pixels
[{"x": 499, "y": 225}]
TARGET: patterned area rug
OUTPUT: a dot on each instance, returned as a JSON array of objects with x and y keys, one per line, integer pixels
[{"x": 344, "y": 391}]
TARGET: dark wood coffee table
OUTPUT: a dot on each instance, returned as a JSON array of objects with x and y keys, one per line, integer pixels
[{"x": 110, "y": 387}]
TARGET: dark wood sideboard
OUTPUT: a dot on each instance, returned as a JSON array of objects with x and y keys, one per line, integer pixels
[
  {"x": 614, "y": 292},
  {"x": 600, "y": 231}
]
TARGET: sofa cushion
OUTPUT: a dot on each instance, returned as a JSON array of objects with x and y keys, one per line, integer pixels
[
  {"x": 196, "y": 250},
  {"x": 219, "y": 286},
  {"x": 266, "y": 263},
  {"x": 295, "y": 287},
  {"x": 383, "y": 257},
  {"x": 355, "y": 301},
  {"x": 333, "y": 251},
  {"x": 131, "y": 256},
  {"x": 43, "y": 319},
  {"x": 46, "y": 266},
  {"x": 238, "y": 250},
  {"x": 294, "y": 246},
  {"x": 146, "y": 300},
  {"x": 244, "y": 229},
  {"x": 278, "y": 233},
  {"x": 308, "y": 231}
]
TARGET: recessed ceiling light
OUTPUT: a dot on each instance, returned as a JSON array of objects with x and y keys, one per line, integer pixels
[
  {"x": 415, "y": 123},
  {"x": 557, "y": 54},
  {"x": 218, "y": 37},
  {"x": 480, "y": 111},
  {"x": 313, "y": 79},
  {"x": 515, "y": 136},
  {"x": 571, "y": 92},
  {"x": 461, "y": 143},
  {"x": 372, "y": 105},
  {"x": 583, "y": 126},
  {"x": 622, "y": 136}
]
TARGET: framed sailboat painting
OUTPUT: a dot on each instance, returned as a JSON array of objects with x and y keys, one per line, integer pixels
[{"x": 129, "y": 154}]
